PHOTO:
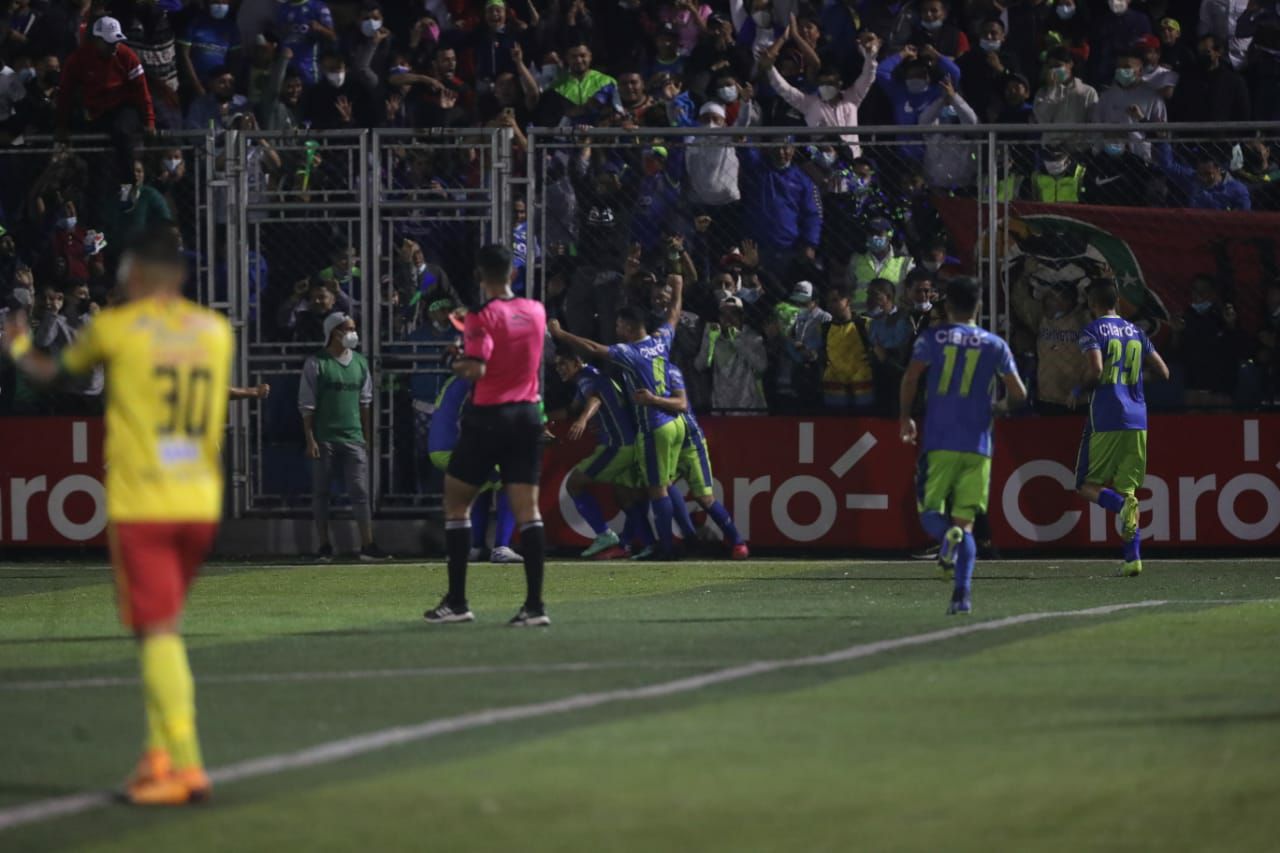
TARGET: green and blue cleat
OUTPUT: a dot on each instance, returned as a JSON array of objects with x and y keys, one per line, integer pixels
[
  {"x": 947, "y": 553},
  {"x": 1129, "y": 517},
  {"x": 1130, "y": 569},
  {"x": 603, "y": 542}
]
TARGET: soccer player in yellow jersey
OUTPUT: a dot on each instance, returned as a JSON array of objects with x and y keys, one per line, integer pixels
[{"x": 167, "y": 365}]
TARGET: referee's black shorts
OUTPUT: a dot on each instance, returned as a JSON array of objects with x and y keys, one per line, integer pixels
[{"x": 508, "y": 436}]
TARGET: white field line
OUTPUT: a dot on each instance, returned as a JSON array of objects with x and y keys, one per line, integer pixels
[
  {"x": 359, "y": 674},
  {"x": 344, "y": 748}
]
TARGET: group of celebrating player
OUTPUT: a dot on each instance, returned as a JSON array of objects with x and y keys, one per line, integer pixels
[{"x": 167, "y": 363}]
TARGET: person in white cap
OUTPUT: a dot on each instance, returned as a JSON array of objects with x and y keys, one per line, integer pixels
[
  {"x": 803, "y": 347},
  {"x": 734, "y": 354},
  {"x": 711, "y": 167},
  {"x": 104, "y": 90},
  {"x": 336, "y": 399}
]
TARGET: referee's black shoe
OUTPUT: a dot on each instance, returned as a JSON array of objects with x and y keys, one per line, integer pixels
[
  {"x": 446, "y": 613},
  {"x": 530, "y": 617}
]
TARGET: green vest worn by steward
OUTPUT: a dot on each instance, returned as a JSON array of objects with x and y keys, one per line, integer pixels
[
  {"x": 338, "y": 398},
  {"x": 1064, "y": 189},
  {"x": 895, "y": 269}
]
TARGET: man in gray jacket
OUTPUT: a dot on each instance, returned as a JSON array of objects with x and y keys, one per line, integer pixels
[{"x": 735, "y": 356}]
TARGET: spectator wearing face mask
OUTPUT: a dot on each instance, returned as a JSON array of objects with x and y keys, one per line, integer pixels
[
  {"x": 756, "y": 27},
  {"x": 734, "y": 354},
  {"x": 986, "y": 69},
  {"x": 949, "y": 162},
  {"x": 1211, "y": 91},
  {"x": 1035, "y": 28},
  {"x": 1063, "y": 99},
  {"x": 716, "y": 56},
  {"x": 1221, "y": 19},
  {"x": 829, "y": 105},
  {"x": 306, "y": 27},
  {"x": 880, "y": 260},
  {"x": 711, "y": 178},
  {"x": 370, "y": 47},
  {"x": 907, "y": 79},
  {"x": 211, "y": 39},
  {"x": 1114, "y": 33},
  {"x": 934, "y": 29},
  {"x": 781, "y": 206},
  {"x": 67, "y": 243},
  {"x": 1216, "y": 189},
  {"x": 220, "y": 100},
  {"x": 1059, "y": 179},
  {"x": 1208, "y": 345},
  {"x": 337, "y": 102},
  {"x": 1115, "y": 176},
  {"x": 1129, "y": 101},
  {"x": 37, "y": 111}
]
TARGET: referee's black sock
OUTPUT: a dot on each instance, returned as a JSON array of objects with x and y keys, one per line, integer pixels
[
  {"x": 457, "y": 544},
  {"x": 533, "y": 542}
]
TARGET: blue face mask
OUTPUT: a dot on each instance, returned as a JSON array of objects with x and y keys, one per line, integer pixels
[
  {"x": 933, "y": 26},
  {"x": 748, "y": 295},
  {"x": 878, "y": 243},
  {"x": 1114, "y": 149},
  {"x": 1126, "y": 76},
  {"x": 1201, "y": 307},
  {"x": 1066, "y": 13},
  {"x": 861, "y": 186}
]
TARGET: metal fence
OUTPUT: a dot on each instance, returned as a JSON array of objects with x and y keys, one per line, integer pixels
[{"x": 279, "y": 226}]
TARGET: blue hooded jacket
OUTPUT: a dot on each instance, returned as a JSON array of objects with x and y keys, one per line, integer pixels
[{"x": 784, "y": 209}]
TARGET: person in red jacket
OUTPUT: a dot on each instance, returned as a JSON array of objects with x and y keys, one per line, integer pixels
[{"x": 113, "y": 96}]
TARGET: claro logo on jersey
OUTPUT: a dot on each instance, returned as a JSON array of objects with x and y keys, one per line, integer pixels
[{"x": 51, "y": 473}]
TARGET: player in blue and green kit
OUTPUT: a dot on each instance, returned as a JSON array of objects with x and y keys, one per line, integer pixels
[
  {"x": 694, "y": 468},
  {"x": 645, "y": 362},
  {"x": 442, "y": 438},
  {"x": 961, "y": 364},
  {"x": 614, "y": 460},
  {"x": 1113, "y": 453}
]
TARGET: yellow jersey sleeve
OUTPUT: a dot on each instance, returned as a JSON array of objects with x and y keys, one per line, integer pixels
[{"x": 91, "y": 346}]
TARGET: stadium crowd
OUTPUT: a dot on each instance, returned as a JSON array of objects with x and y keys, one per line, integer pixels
[{"x": 809, "y": 265}]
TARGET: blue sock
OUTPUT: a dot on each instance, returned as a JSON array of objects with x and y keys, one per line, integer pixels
[
  {"x": 628, "y": 527},
  {"x": 966, "y": 556},
  {"x": 506, "y": 524},
  {"x": 589, "y": 509},
  {"x": 1110, "y": 500},
  {"x": 680, "y": 511},
  {"x": 1133, "y": 548},
  {"x": 638, "y": 515},
  {"x": 662, "y": 516},
  {"x": 935, "y": 524},
  {"x": 480, "y": 520},
  {"x": 724, "y": 521}
]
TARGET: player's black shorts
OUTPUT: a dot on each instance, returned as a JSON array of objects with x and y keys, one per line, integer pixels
[{"x": 507, "y": 436}]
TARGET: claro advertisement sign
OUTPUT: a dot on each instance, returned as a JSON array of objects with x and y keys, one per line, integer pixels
[
  {"x": 848, "y": 483},
  {"x": 838, "y": 484}
]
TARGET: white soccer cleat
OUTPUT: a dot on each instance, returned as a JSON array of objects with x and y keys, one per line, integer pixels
[{"x": 503, "y": 554}]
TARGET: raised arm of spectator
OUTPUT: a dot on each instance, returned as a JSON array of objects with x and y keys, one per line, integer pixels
[
  {"x": 812, "y": 62},
  {"x": 948, "y": 67},
  {"x": 884, "y": 71},
  {"x": 677, "y": 298},
  {"x": 785, "y": 90},
  {"x": 737, "y": 14},
  {"x": 528, "y": 83},
  {"x": 861, "y": 87},
  {"x": 189, "y": 69}
]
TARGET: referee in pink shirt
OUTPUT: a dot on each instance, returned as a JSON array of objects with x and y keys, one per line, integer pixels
[{"x": 502, "y": 427}]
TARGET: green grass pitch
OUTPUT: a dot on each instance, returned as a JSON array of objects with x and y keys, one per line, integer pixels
[{"x": 1147, "y": 728}]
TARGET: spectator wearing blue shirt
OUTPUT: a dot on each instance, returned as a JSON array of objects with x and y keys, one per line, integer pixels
[
  {"x": 1216, "y": 190},
  {"x": 908, "y": 80},
  {"x": 219, "y": 101},
  {"x": 306, "y": 28},
  {"x": 210, "y": 40},
  {"x": 782, "y": 206}
]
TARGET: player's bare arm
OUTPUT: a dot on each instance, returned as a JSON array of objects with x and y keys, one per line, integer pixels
[
  {"x": 677, "y": 298},
  {"x": 1155, "y": 366},
  {"x": 1090, "y": 378},
  {"x": 468, "y": 368},
  {"x": 907, "y": 398},
  {"x": 676, "y": 404},
  {"x": 257, "y": 392},
  {"x": 1014, "y": 389},
  {"x": 584, "y": 345},
  {"x": 588, "y": 412}
]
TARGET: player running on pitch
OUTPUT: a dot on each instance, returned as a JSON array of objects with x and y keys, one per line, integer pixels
[
  {"x": 502, "y": 357},
  {"x": 1113, "y": 452},
  {"x": 694, "y": 467},
  {"x": 645, "y": 361},
  {"x": 614, "y": 460},
  {"x": 167, "y": 365},
  {"x": 960, "y": 363}
]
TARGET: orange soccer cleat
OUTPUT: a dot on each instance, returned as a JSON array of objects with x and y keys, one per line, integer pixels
[
  {"x": 177, "y": 788},
  {"x": 154, "y": 764}
]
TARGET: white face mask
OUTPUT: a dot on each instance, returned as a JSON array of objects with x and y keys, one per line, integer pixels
[
  {"x": 924, "y": 307},
  {"x": 991, "y": 45},
  {"x": 828, "y": 92},
  {"x": 172, "y": 166},
  {"x": 1118, "y": 7},
  {"x": 1055, "y": 167},
  {"x": 728, "y": 94},
  {"x": 336, "y": 78},
  {"x": 351, "y": 340},
  {"x": 218, "y": 11},
  {"x": 370, "y": 27},
  {"x": 931, "y": 266},
  {"x": 26, "y": 75},
  {"x": 68, "y": 223},
  {"x": 762, "y": 19},
  {"x": 876, "y": 312},
  {"x": 1066, "y": 13}
]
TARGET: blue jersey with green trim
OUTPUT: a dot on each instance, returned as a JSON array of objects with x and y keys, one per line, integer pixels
[
  {"x": 1118, "y": 402},
  {"x": 647, "y": 364},
  {"x": 964, "y": 363},
  {"x": 446, "y": 420},
  {"x": 615, "y": 421},
  {"x": 692, "y": 432}
]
